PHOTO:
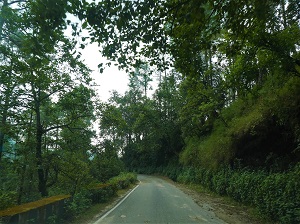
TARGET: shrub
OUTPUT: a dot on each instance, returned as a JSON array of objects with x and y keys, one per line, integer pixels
[
  {"x": 275, "y": 195},
  {"x": 172, "y": 172},
  {"x": 102, "y": 193},
  {"x": 207, "y": 176},
  {"x": 123, "y": 180},
  {"x": 53, "y": 219},
  {"x": 187, "y": 176},
  {"x": 278, "y": 196},
  {"x": 221, "y": 181},
  {"x": 243, "y": 185},
  {"x": 79, "y": 203},
  {"x": 7, "y": 199}
]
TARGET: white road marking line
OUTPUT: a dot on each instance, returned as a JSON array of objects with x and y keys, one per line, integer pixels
[{"x": 107, "y": 213}]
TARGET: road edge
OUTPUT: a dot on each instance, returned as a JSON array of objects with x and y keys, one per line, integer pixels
[{"x": 117, "y": 205}]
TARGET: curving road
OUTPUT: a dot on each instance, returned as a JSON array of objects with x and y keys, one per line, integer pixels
[{"x": 155, "y": 200}]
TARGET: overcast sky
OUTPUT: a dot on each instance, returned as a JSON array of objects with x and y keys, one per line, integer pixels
[{"x": 110, "y": 79}]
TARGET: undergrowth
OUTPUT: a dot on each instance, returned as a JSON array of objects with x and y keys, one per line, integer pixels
[
  {"x": 275, "y": 195},
  {"x": 98, "y": 193}
]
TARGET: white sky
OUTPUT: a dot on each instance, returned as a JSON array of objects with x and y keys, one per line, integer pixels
[{"x": 111, "y": 79}]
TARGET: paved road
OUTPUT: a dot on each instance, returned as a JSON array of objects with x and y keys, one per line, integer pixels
[{"x": 157, "y": 201}]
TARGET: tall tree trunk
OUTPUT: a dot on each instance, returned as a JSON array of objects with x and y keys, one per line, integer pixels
[
  {"x": 1, "y": 143},
  {"x": 42, "y": 181},
  {"x": 39, "y": 160},
  {"x": 23, "y": 167},
  {"x": 3, "y": 123},
  {"x": 2, "y": 20},
  {"x": 283, "y": 12},
  {"x": 21, "y": 189}
]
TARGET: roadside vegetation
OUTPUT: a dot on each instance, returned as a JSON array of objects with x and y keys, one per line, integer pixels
[
  {"x": 225, "y": 114},
  {"x": 95, "y": 195}
]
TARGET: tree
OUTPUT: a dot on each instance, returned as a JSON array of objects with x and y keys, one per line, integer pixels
[
  {"x": 168, "y": 101},
  {"x": 106, "y": 162},
  {"x": 10, "y": 68},
  {"x": 141, "y": 78},
  {"x": 39, "y": 70}
]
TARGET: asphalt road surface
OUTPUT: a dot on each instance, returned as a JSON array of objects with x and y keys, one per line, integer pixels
[{"x": 155, "y": 200}]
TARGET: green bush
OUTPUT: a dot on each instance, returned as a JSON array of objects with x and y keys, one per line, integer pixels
[
  {"x": 275, "y": 195},
  {"x": 172, "y": 172},
  {"x": 123, "y": 180},
  {"x": 278, "y": 196},
  {"x": 102, "y": 193},
  {"x": 98, "y": 193},
  {"x": 188, "y": 175},
  {"x": 78, "y": 203},
  {"x": 106, "y": 166},
  {"x": 53, "y": 219},
  {"x": 221, "y": 181},
  {"x": 7, "y": 199},
  {"x": 243, "y": 185},
  {"x": 207, "y": 178}
]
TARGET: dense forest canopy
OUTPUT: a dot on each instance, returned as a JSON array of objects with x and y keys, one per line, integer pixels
[
  {"x": 228, "y": 93},
  {"x": 233, "y": 57}
]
